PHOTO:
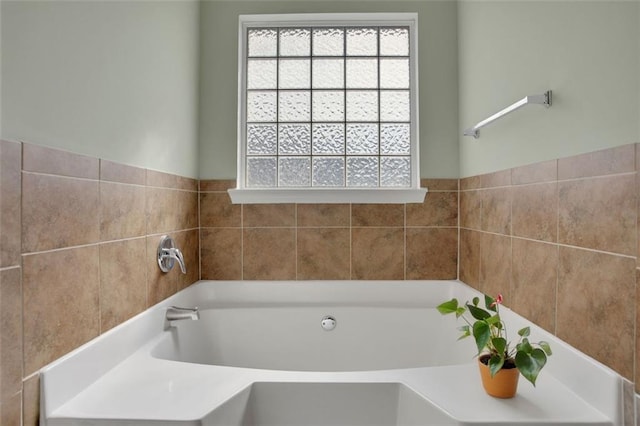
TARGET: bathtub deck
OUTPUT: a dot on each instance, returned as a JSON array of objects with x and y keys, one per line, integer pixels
[
  {"x": 143, "y": 390},
  {"x": 118, "y": 379}
]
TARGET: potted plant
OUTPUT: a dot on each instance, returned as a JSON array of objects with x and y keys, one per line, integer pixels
[{"x": 498, "y": 359}]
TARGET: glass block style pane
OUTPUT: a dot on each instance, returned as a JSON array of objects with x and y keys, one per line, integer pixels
[
  {"x": 362, "y": 42},
  {"x": 294, "y": 139},
  {"x": 263, "y": 42},
  {"x": 362, "y": 171},
  {"x": 394, "y": 73},
  {"x": 328, "y": 106},
  {"x": 261, "y": 106},
  {"x": 395, "y": 171},
  {"x": 362, "y": 106},
  {"x": 261, "y": 172},
  {"x": 261, "y": 139},
  {"x": 395, "y": 139},
  {"x": 328, "y": 171},
  {"x": 328, "y": 139},
  {"x": 395, "y": 106},
  {"x": 294, "y": 171},
  {"x": 294, "y": 74},
  {"x": 328, "y": 73},
  {"x": 262, "y": 74},
  {"x": 294, "y": 106},
  {"x": 328, "y": 42},
  {"x": 295, "y": 42},
  {"x": 394, "y": 42},
  {"x": 362, "y": 73},
  {"x": 362, "y": 138}
]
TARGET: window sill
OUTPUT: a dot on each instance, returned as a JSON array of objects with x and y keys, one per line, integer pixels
[{"x": 327, "y": 196}]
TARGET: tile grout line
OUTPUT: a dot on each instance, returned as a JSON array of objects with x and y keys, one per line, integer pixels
[
  {"x": 555, "y": 310},
  {"x": 199, "y": 237},
  {"x": 458, "y": 226},
  {"x": 351, "y": 241},
  {"x": 404, "y": 246},
  {"x": 242, "y": 242},
  {"x": 100, "y": 296},
  {"x": 9, "y": 268},
  {"x": 295, "y": 238},
  {"x": 626, "y": 256}
]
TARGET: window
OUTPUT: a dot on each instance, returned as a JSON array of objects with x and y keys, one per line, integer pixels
[{"x": 328, "y": 109}]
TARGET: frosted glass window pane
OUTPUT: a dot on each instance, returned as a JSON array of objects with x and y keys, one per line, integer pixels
[
  {"x": 294, "y": 74},
  {"x": 394, "y": 42},
  {"x": 394, "y": 73},
  {"x": 362, "y": 171},
  {"x": 261, "y": 139},
  {"x": 261, "y": 172},
  {"x": 395, "y": 139},
  {"x": 261, "y": 106},
  {"x": 362, "y": 106},
  {"x": 328, "y": 42},
  {"x": 328, "y": 106},
  {"x": 294, "y": 171},
  {"x": 328, "y": 73},
  {"x": 394, "y": 106},
  {"x": 362, "y": 138},
  {"x": 294, "y": 139},
  {"x": 395, "y": 171},
  {"x": 328, "y": 171},
  {"x": 294, "y": 106},
  {"x": 362, "y": 73},
  {"x": 362, "y": 42},
  {"x": 295, "y": 42},
  {"x": 263, "y": 42},
  {"x": 328, "y": 139},
  {"x": 262, "y": 74}
]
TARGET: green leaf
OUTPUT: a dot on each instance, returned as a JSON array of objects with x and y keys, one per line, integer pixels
[
  {"x": 482, "y": 334},
  {"x": 546, "y": 348},
  {"x": 524, "y": 332},
  {"x": 478, "y": 313},
  {"x": 448, "y": 307},
  {"x": 460, "y": 311},
  {"x": 475, "y": 301},
  {"x": 489, "y": 303},
  {"x": 500, "y": 344},
  {"x": 530, "y": 365},
  {"x": 495, "y": 364},
  {"x": 494, "y": 320},
  {"x": 466, "y": 332},
  {"x": 524, "y": 346}
]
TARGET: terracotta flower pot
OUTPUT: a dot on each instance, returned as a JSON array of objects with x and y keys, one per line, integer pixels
[{"x": 503, "y": 384}]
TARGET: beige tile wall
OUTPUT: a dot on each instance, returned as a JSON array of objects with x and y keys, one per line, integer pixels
[
  {"x": 329, "y": 241},
  {"x": 559, "y": 240},
  {"x": 74, "y": 232}
]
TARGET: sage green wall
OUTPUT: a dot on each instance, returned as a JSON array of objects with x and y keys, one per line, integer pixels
[
  {"x": 438, "y": 78},
  {"x": 110, "y": 79},
  {"x": 586, "y": 52}
]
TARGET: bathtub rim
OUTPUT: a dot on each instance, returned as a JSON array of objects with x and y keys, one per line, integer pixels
[{"x": 86, "y": 364}]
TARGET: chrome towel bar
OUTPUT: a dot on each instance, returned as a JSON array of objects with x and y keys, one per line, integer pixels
[{"x": 544, "y": 99}]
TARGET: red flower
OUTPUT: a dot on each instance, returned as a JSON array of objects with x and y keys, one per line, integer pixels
[{"x": 497, "y": 301}]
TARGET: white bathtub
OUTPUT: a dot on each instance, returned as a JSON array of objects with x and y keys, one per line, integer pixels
[{"x": 259, "y": 356}]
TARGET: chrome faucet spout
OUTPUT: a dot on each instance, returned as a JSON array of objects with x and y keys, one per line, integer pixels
[{"x": 176, "y": 313}]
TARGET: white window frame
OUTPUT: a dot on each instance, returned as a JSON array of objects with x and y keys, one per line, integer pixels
[{"x": 413, "y": 194}]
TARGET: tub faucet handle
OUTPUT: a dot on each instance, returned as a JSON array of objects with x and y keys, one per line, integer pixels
[{"x": 168, "y": 254}]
